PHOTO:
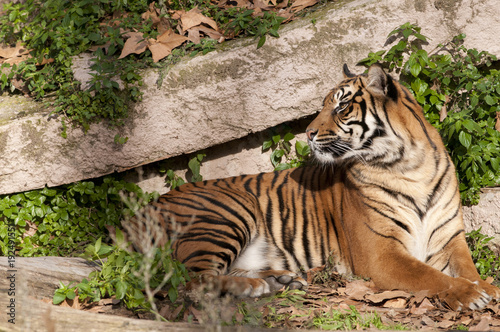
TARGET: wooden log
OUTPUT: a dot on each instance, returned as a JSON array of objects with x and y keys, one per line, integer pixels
[
  {"x": 27, "y": 281},
  {"x": 39, "y": 277}
]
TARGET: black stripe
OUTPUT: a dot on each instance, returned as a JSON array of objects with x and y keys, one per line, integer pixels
[
  {"x": 397, "y": 222},
  {"x": 422, "y": 125},
  {"x": 385, "y": 236},
  {"x": 448, "y": 242},
  {"x": 442, "y": 225},
  {"x": 198, "y": 253},
  {"x": 227, "y": 208},
  {"x": 219, "y": 243}
]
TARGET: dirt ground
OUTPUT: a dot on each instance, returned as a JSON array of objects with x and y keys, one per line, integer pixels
[{"x": 330, "y": 302}]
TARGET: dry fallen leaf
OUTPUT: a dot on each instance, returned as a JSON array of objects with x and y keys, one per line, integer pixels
[
  {"x": 357, "y": 290},
  {"x": 134, "y": 44},
  {"x": 399, "y": 303},
  {"x": 497, "y": 124},
  {"x": 194, "y": 35},
  {"x": 483, "y": 325},
  {"x": 387, "y": 295},
  {"x": 262, "y": 4},
  {"x": 12, "y": 52},
  {"x": 465, "y": 320},
  {"x": 301, "y": 4},
  {"x": 428, "y": 321},
  {"x": 443, "y": 113},
  {"x": 164, "y": 44},
  {"x": 445, "y": 324},
  {"x": 13, "y": 55},
  {"x": 153, "y": 14},
  {"x": 210, "y": 32},
  {"x": 194, "y": 17}
]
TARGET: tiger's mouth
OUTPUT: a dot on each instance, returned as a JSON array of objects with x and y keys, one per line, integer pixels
[{"x": 330, "y": 150}]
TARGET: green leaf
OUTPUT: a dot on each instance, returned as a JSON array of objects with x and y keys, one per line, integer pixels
[
  {"x": 282, "y": 166},
  {"x": 465, "y": 139},
  {"x": 288, "y": 137},
  {"x": 120, "y": 239},
  {"x": 58, "y": 297},
  {"x": 302, "y": 148},
  {"x": 63, "y": 214},
  {"x": 474, "y": 100},
  {"x": 261, "y": 42},
  {"x": 97, "y": 245},
  {"x": 415, "y": 69},
  {"x": 70, "y": 294},
  {"x": 194, "y": 166},
  {"x": 49, "y": 192},
  {"x": 490, "y": 100},
  {"x": 495, "y": 163},
  {"x": 172, "y": 294},
  {"x": 105, "y": 249},
  {"x": 434, "y": 100},
  {"x": 266, "y": 145},
  {"x": 121, "y": 289}
]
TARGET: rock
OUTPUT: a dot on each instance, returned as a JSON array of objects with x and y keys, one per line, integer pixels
[
  {"x": 227, "y": 94},
  {"x": 485, "y": 215}
]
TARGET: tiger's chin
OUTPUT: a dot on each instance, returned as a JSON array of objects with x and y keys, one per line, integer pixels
[
  {"x": 326, "y": 159},
  {"x": 331, "y": 157}
]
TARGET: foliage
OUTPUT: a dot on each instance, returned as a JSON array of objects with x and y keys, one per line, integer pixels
[
  {"x": 486, "y": 260},
  {"x": 194, "y": 165},
  {"x": 459, "y": 92},
  {"x": 173, "y": 180},
  {"x": 281, "y": 147},
  {"x": 121, "y": 275},
  {"x": 244, "y": 23},
  {"x": 350, "y": 320},
  {"x": 55, "y": 31},
  {"x": 61, "y": 220}
]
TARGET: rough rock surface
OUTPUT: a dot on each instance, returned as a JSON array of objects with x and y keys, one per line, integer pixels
[
  {"x": 485, "y": 215},
  {"x": 224, "y": 95}
]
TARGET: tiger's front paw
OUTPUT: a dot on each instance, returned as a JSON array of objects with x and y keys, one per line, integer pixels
[
  {"x": 277, "y": 279},
  {"x": 465, "y": 294},
  {"x": 492, "y": 291}
]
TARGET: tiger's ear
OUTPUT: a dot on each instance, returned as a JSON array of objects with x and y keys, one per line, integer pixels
[
  {"x": 347, "y": 73},
  {"x": 377, "y": 80}
]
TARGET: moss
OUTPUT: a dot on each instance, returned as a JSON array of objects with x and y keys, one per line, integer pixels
[
  {"x": 17, "y": 107},
  {"x": 3, "y": 142},
  {"x": 449, "y": 9},
  {"x": 34, "y": 149}
]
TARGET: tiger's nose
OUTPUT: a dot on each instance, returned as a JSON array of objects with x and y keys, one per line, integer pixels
[{"x": 311, "y": 133}]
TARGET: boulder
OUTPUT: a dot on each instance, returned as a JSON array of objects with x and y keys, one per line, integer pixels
[{"x": 227, "y": 94}]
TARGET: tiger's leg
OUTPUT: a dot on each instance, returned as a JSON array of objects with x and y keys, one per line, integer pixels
[
  {"x": 227, "y": 245},
  {"x": 461, "y": 265},
  {"x": 255, "y": 281},
  {"x": 396, "y": 269}
]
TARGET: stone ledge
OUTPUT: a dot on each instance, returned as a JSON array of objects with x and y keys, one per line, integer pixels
[{"x": 226, "y": 94}]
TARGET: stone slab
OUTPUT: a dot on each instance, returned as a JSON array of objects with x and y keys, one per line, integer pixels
[{"x": 227, "y": 94}]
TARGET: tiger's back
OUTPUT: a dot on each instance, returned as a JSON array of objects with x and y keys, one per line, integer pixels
[
  {"x": 284, "y": 219},
  {"x": 384, "y": 202}
]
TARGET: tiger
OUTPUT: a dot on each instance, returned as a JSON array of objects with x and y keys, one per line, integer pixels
[{"x": 381, "y": 199}]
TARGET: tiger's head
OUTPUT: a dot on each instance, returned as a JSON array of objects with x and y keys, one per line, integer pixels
[{"x": 365, "y": 118}]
